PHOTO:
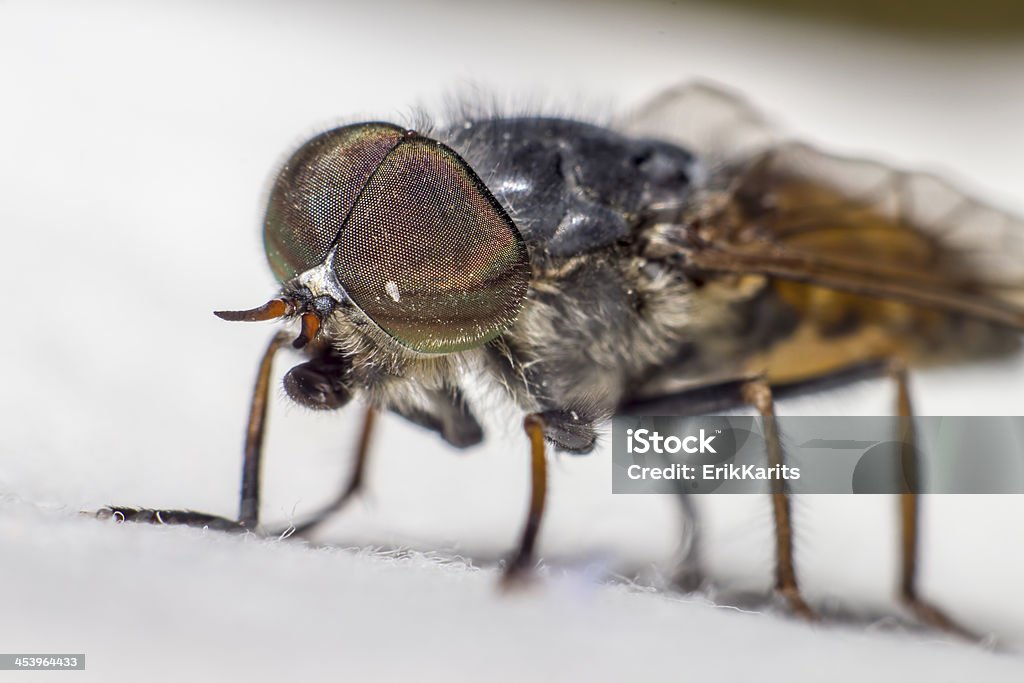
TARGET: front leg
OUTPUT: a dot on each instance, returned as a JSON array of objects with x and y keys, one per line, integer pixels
[
  {"x": 203, "y": 520},
  {"x": 248, "y": 514}
]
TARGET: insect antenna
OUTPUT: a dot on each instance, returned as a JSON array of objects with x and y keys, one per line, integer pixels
[
  {"x": 310, "y": 320},
  {"x": 275, "y": 308}
]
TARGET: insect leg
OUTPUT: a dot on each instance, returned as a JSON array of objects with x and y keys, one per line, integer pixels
[
  {"x": 523, "y": 559},
  {"x": 758, "y": 394},
  {"x": 445, "y": 412},
  {"x": 248, "y": 508},
  {"x": 249, "y": 505},
  {"x": 688, "y": 575},
  {"x": 353, "y": 486},
  {"x": 121, "y": 513},
  {"x": 910, "y": 514}
]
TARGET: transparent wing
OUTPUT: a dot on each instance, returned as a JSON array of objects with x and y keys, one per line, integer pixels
[
  {"x": 862, "y": 227},
  {"x": 719, "y": 126},
  {"x": 793, "y": 212}
]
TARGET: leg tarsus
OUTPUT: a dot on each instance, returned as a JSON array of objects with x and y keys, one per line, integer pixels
[
  {"x": 932, "y": 616},
  {"x": 179, "y": 517},
  {"x": 518, "y": 573},
  {"x": 796, "y": 603}
]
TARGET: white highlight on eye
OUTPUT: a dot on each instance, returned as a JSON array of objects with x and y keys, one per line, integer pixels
[{"x": 391, "y": 287}]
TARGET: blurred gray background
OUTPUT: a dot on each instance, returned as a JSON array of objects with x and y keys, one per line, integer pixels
[{"x": 137, "y": 141}]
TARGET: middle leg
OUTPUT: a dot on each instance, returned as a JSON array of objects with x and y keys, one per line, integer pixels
[{"x": 351, "y": 488}]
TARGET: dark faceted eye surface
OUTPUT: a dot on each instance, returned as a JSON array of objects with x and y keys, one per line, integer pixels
[
  {"x": 429, "y": 255},
  {"x": 316, "y": 190},
  {"x": 421, "y": 245}
]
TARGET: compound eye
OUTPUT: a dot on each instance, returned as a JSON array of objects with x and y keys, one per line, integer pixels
[
  {"x": 429, "y": 255},
  {"x": 315, "y": 191}
]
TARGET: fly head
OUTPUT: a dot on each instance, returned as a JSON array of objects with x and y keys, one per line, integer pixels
[{"x": 396, "y": 232}]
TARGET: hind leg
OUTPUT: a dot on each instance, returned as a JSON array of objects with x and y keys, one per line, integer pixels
[{"x": 910, "y": 513}]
